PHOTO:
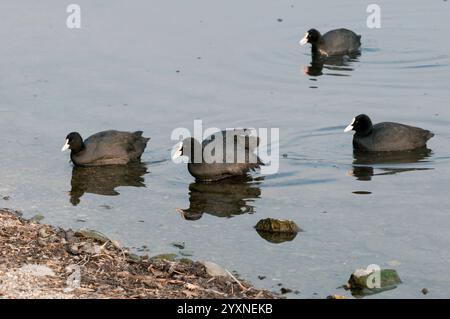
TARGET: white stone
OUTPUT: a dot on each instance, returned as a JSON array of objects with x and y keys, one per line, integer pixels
[
  {"x": 215, "y": 270},
  {"x": 36, "y": 270}
]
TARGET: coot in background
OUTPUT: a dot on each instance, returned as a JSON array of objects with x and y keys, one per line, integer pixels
[
  {"x": 386, "y": 136},
  {"x": 106, "y": 148},
  {"x": 334, "y": 42}
]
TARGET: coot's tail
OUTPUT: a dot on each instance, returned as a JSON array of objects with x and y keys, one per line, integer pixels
[{"x": 428, "y": 135}]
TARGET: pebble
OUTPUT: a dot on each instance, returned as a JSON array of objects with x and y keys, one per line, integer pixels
[
  {"x": 69, "y": 235},
  {"x": 92, "y": 234},
  {"x": 285, "y": 290},
  {"x": 73, "y": 249},
  {"x": 133, "y": 258},
  {"x": 43, "y": 232},
  {"x": 179, "y": 245},
  {"x": 215, "y": 270},
  {"x": 42, "y": 242},
  {"x": 36, "y": 270},
  {"x": 36, "y": 218}
]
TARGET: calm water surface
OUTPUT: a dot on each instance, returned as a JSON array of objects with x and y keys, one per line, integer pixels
[{"x": 238, "y": 66}]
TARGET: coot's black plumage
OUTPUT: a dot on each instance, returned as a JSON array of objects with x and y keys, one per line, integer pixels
[
  {"x": 204, "y": 167},
  {"x": 106, "y": 148},
  {"x": 334, "y": 42},
  {"x": 386, "y": 136}
]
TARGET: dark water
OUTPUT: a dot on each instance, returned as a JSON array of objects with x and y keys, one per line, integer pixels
[{"x": 237, "y": 66}]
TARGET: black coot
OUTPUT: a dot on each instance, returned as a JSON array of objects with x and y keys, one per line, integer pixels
[
  {"x": 222, "y": 155},
  {"x": 334, "y": 42},
  {"x": 386, "y": 136},
  {"x": 106, "y": 148}
]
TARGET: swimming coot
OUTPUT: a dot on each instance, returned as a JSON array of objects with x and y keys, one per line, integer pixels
[
  {"x": 386, "y": 136},
  {"x": 106, "y": 148},
  {"x": 224, "y": 154},
  {"x": 334, "y": 42}
]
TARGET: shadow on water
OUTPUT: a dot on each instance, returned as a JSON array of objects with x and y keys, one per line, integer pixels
[
  {"x": 333, "y": 64},
  {"x": 225, "y": 198},
  {"x": 365, "y": 163},
  {"x": 104, "y": 180}
]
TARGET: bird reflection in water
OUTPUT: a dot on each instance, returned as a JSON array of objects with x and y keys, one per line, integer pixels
[
  {"x": 365, "y": 163},
  {"x": 333, "y": 64},
  {"x": 224, "y": 198},
  {"x": 105, "y": 179}
]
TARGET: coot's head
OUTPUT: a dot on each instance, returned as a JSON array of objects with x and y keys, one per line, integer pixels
[
  {"x": 312, "y": 36},
  {"x": 190, "y": 148},
  {"x": 74, "y": 142},
  {"x": 361, "y": 125}
]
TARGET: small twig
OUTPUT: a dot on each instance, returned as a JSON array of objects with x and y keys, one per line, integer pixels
[{"x": 238, "y": 282}]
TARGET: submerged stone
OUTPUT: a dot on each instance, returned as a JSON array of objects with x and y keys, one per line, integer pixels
[
  {"x": 133, "y": 258},
  {"x": 277, "y": 226},
  {"x": 36, "y": 218},
  {"x": 277, "y": 230},
  {"x": 179, "y": 245},
  {"x": 366, "y": 282},
  {"x": 92, "y": 234},
  {"x": 186, "y": 260}
]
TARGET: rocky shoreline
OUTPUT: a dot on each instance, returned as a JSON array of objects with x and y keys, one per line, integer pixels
[{"x": 42, "y": 261}]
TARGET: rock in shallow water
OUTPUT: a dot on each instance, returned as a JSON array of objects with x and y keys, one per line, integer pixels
[
  {"x": 277, "y": 226},
  {"x": 366, "y": 282},
  {"x": 277, "y": 230},
  {"x": 92, "y": 234},
  {"x": 36, "y": 218}
]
